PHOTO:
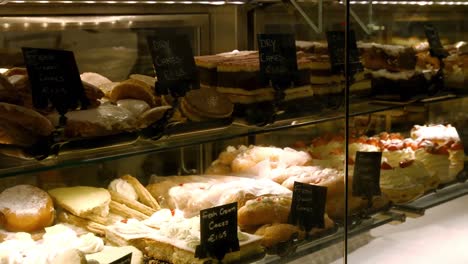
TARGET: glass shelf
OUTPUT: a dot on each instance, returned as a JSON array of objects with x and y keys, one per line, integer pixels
[
  {"x": 308, "y": 247},
  {"x": 418, "y": 207},
  {"x": 77, "y": 157}
]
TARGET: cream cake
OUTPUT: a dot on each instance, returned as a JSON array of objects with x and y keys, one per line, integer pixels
[
  {"x": 190, "y": 194},
  {"x": 168, "y": 236},
  {"x": 446, "y": 164},
  {"x": 404, "y": 182}
]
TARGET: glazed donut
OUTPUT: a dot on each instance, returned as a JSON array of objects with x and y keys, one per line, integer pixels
[{"x": 25, "y": 208}]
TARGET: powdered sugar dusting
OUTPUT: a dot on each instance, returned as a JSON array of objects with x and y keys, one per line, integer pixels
[{"x": 23, "y": 200}]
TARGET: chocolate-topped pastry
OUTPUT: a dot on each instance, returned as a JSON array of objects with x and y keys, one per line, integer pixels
[
  {"x": 398, "y": 85},
  {"x": 389, "y": 57},
  {"x": 205, "y": 104},
  {"x": 207, "y": 65},
  {"x": 312, "y": 47},
  {"x": 242, "y": 75}
]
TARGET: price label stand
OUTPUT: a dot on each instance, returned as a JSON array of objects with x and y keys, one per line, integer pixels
[
  {"x": 308, "y": 206},
  {"x": 218, "y": 232},
  {"x": 278, "y": 69},
  {"x": 55, "y": 80},
  {"x": 366, "y": 179},
  {"x": 436, "y": 50},
  {"x": 176, "y": 75},
  {"x": 336, "y": 52}
]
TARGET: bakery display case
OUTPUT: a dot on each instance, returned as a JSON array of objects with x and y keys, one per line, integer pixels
[{"x": 231, "y": 131}]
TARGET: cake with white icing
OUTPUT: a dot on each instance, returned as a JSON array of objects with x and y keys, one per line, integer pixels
[{"x": 168, "y": 236}]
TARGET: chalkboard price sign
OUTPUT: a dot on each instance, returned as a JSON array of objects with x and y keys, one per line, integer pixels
[
  {"x": 127, "y": 259},
  {"x": 366, "y": 179},
  {"x": 336, "y": 51},
  {"x": 278, "y": 59},
  {"x": 218, "y": 228},
  {"x": 308, "y": 206},
  {"x": 55, "y": 79},
  {"x": 435, "y": 46},
  {"x": 174, "y": 64}
]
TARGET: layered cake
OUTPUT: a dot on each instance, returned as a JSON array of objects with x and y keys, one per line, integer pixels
[
  {"x": 207, "y": 65},
  {"x": 397, "y": 150},
  {"x": 237, "y": 75},
  {"x": 327, "y": 86},
  {"x": 393, "y": 58},
  {"x": 456, "y": 72},
  {"x": 239, "y": 78},
  {"x": 405, "y": 182},
  {"x": 402, "y": 85},
  {"x": 312, "y": 47},
  {"x": 440, "y": 141},
  {"x": 446, "y": 160}
]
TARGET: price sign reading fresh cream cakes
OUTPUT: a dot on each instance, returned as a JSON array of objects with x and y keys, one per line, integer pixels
[
  {"x": 435, "y": 46},
  {"x": 336, "y": 50},
  {"x": 218, "y": 228},
  {"x": 54, "y": 79},
  {"x": 308, "y": 206},
  {"x": 174, "y": 64},
  {"x": 278, "y": 60},
  {"x": 127, "y": 259},
  {"x": 366, "y": 179}
]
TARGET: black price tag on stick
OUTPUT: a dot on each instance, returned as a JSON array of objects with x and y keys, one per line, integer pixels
[
  {"x": 218, "y": 228},
  {"x": 127, "y": 259},
  {"x": 366, "y": 179},
  {"x": 336, "y": 51},
  {"x": 278, "y": 59},
  {"x": 435, "y": 46},
  {"x": 54, "y": 79},
  {"x": 308, "y": 206},
  {"x": 174, "y": 64}
]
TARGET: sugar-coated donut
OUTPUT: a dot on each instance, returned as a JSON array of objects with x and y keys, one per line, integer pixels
[{"x": 25, "y": 208}]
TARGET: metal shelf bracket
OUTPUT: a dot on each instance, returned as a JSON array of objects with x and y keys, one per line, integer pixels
[{"x": 317, "y": 28}]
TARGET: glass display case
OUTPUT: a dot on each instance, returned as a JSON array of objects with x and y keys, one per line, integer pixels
[{"x": 233, "y": 131}]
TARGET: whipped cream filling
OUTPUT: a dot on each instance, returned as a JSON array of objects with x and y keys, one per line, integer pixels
[
  {"x": 124, "y": 188},
  {"x": 357, "y": 146},
  {"x": 457, "y": 162},
  {"x": 394, "y": 157},
  {"x": 57, "y": 239},
  {"x": 89, "y": 244},
  {"x": 438, "y": 163},
  {"x": 435, "y": 132},
  {"x": 169, "y": 227}
]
